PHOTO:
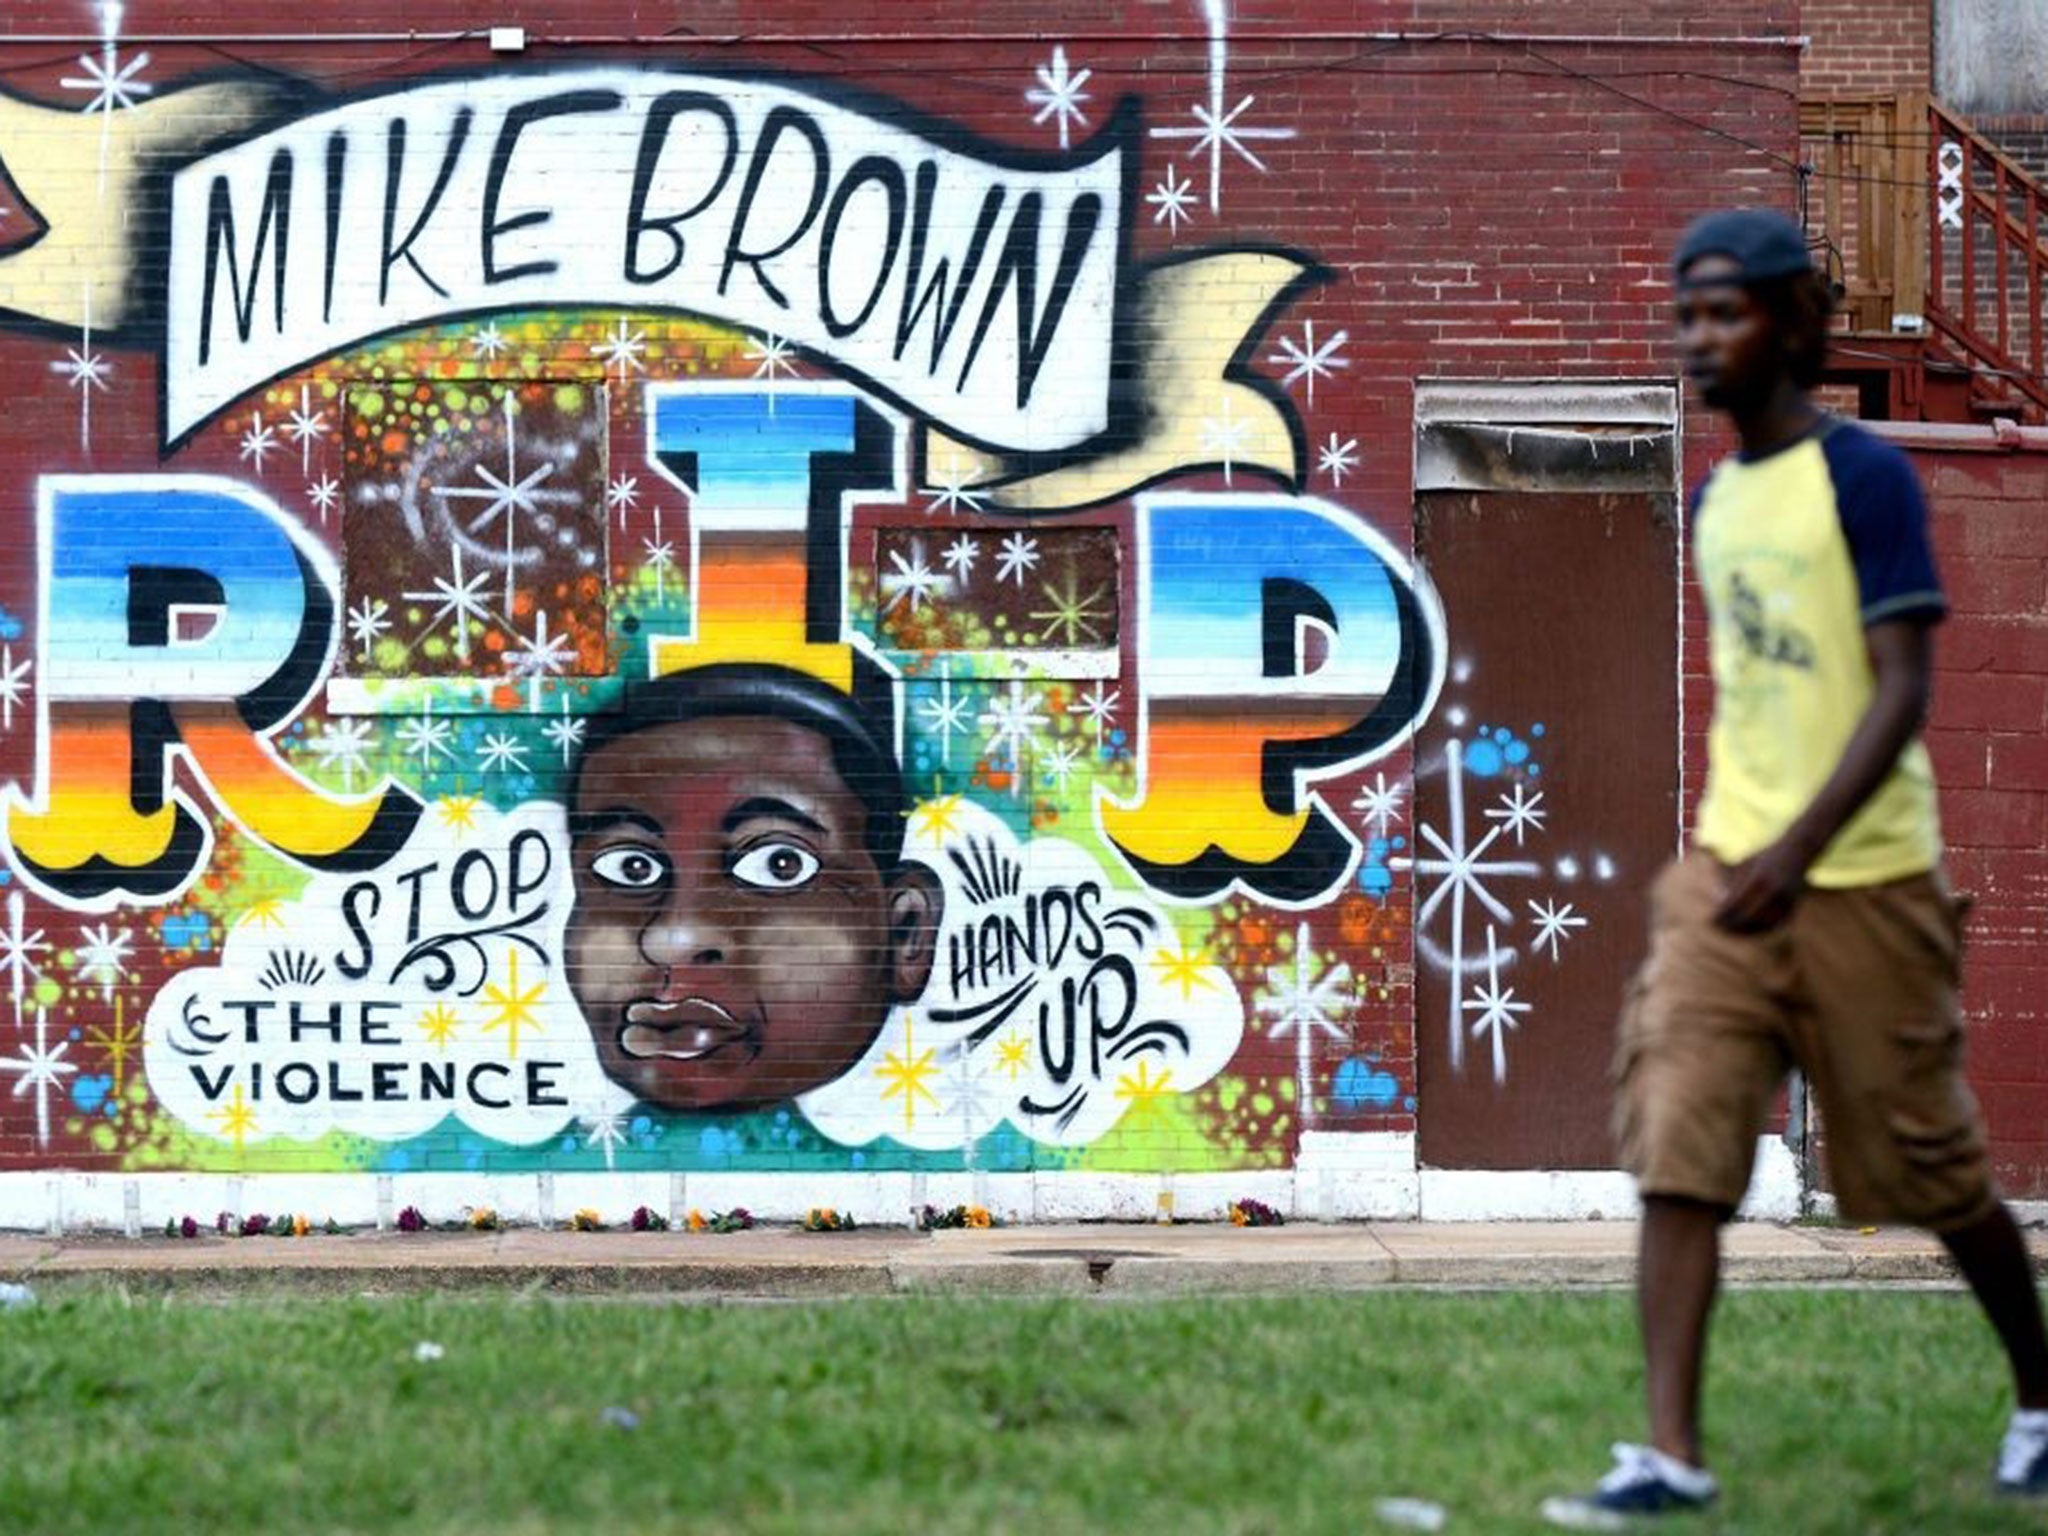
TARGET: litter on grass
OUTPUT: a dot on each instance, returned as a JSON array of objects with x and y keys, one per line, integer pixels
[
  {"x": 1410, "y": 1514},
  {"x": 12, "y": 1296},
  {"x": 427, "y": 1349},
  {"x": 620, "y": 1418}
]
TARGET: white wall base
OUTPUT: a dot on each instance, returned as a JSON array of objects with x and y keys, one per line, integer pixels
[{"x": 1339, "y": 1177}]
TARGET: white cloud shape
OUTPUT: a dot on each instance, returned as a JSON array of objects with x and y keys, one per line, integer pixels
[
  {"x": 381, "y": 1003},
  {"x": 1058, "y": 1002}
]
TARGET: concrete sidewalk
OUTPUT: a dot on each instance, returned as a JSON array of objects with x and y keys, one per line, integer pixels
[{"x": 1130, "y": 1260}]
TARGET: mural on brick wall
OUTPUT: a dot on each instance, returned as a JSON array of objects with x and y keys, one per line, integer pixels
[{"x": 626, "y": 617}]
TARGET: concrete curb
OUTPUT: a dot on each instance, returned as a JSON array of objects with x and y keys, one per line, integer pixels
[{"x": 1071, "y": 1260}]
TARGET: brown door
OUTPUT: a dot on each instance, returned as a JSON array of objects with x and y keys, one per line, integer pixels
[{"x": 1546, "y": 799}]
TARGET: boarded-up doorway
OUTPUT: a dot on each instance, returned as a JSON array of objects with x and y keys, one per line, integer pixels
[{"x": 1547, "y": 779}]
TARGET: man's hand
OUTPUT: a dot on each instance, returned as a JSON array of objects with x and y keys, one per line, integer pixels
[{"x": 1761, "y": 892}]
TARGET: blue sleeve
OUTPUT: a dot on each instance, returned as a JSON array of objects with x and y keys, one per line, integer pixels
[{"x": 1884, "y": 521}]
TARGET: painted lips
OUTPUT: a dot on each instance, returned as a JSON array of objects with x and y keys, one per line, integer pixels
[{"x": 687, "y": 1030}]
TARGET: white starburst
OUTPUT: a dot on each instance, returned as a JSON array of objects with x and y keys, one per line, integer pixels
[
  {"x": 960, "y": 556},
  {"x": 952, "y": 495},
  {"x": 85, "y": 371},
  {"x": 1518, "y": 811},
  {"x": 1496, "y": 1007},
  {"x": 945, "y": 715},
  {"x": 1215, "y": 131},
  {"x": 1302, "y": 1004},
  {"x": 489, "y": 341},
  {"x": 343, "y": 744},
  {"x": 968, "y": 1085},
  {"x": 368, "y": 620},
  {"x": 458, "y": 601},
  {"x": 40, "y": 1067},
  {"x": 500, "y": 751},
  {"x": 510, "y": 496},
  {"x": 1463, "y": 870},
  {"x": 1337, "y": 458},
  {"x": 607, "y": 1131},
  {"x": 566, "y": 732},
  {"x": 1310, "y": 359},
  {"x": 912, "y": 580},
  {"x": 1379, "y": 804},
  {"x": 621, "y": 350},
  {"x": 13, "y": 684},
  {"x": 1225, "y": 435},
  {"x": 1058, "y": 94},
  {"x": 423, "y": 736},
  {"x": 103, "y": 955},
  {"x": 622, "y": 495},
  {"x": 1099, "y": 705},
  {"x": 1172, "y": 198},
  {"x": 258, "y": 441},
  {"x": 1015, "y": 557},
  {"x": 305, "y": 426},
  {"x": 771, "y": 355},
  {"x": 18, "y": 950},
  {"x": 1013, "y": 720},
  {"x": 661, "y": 555},
  {"x": 541, "y": 655},
  {"x": 114, "y": 85},
  {"x": 323, "y": 494},
  {"x": 1555, "y": 922},
  {"x": 1061, "y": 760}
]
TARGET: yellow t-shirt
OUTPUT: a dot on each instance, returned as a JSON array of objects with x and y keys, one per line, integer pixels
[{"x": 1798, "y": 551}]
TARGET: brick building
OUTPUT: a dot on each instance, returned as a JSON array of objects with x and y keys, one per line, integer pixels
[{"x": 1058, "y": 609}]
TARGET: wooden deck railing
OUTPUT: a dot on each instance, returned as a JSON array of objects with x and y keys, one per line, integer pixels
[{"x": 1936, "y": 228}]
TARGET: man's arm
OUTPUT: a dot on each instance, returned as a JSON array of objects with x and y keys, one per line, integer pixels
[{"x": 1762, "y": 892}]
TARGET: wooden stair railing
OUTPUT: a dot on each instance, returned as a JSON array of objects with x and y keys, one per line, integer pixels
[{"x": 1939, "y": 233}]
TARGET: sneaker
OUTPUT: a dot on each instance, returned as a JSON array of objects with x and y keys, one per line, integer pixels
[
  {"x": 1644, "y": 1481},
  {"x": 2023, "y": 1456}
]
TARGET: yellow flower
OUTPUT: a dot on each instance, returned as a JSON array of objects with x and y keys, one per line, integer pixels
[
  {"x": 1238, "y": 1217},
  {"x": 586, "y": 1220},
  {"x": 483, "y": 1218},
  {"x": 696, "y": 1221},
  {"x": 301, "y": 1226},
  {"x": 977, "y": 1216}
]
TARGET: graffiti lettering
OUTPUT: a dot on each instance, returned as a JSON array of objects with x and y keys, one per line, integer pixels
[
  {"x": 808, "y": 241},
  {"x": 143, "y": 662},
  {"x": 1301, "y": 645}
]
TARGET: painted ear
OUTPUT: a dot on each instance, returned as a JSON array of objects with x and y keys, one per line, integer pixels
[{"x": 916, "y": 906}]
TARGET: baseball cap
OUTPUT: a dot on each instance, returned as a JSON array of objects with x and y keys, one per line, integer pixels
[{"x": 1762, "y": 244}]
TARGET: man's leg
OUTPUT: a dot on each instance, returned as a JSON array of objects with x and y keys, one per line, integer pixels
[
  {"x": 1993, "y": 1258},
  {"x": 1677, "y": 1274}
]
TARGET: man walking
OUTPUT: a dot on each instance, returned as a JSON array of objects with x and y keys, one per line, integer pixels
[{"x": 1810, "y": 924}]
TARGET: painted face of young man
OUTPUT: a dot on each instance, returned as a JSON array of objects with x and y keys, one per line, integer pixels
[
  {"x": 1733, "y": 354},
  {"x": 733, "y": 941}
]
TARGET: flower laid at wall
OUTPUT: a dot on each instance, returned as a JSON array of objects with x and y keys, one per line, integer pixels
[
  {"x": 646, "y": 1219},
  {"x": 822, "y": 1218},
  {"x": 481, "y": 1218},
  {"x": 410, "y": 1220},
  {"x": 931, "y": 1218},
  {"x": 738, "y": 1219},
  {"x": 255, "y": 1226},
  {"x": 586, "y": 1220},
  {"x": 181, "y": 1226},
  {"x": 1255, "y": 1213}
]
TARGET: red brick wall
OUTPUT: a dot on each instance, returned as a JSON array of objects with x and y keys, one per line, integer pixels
[
  {"x": 1867, "y": 45},
  {"x": 1483, "y": 197},
  {"x": 1989, "y": 740}
]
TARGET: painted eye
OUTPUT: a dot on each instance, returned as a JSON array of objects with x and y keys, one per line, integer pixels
[
  {"x": 776, "y": 867},
  {"x": 633, "y": 868}
]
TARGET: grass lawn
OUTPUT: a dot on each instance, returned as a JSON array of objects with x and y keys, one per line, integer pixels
[{"x": 1829, "y": 1411}]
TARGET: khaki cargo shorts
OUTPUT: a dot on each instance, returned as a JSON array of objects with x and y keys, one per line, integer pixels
[{"x": 1857, "y": 989}]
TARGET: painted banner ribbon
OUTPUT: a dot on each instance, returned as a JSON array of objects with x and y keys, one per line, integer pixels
[{"x": 951, "y": 276}]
